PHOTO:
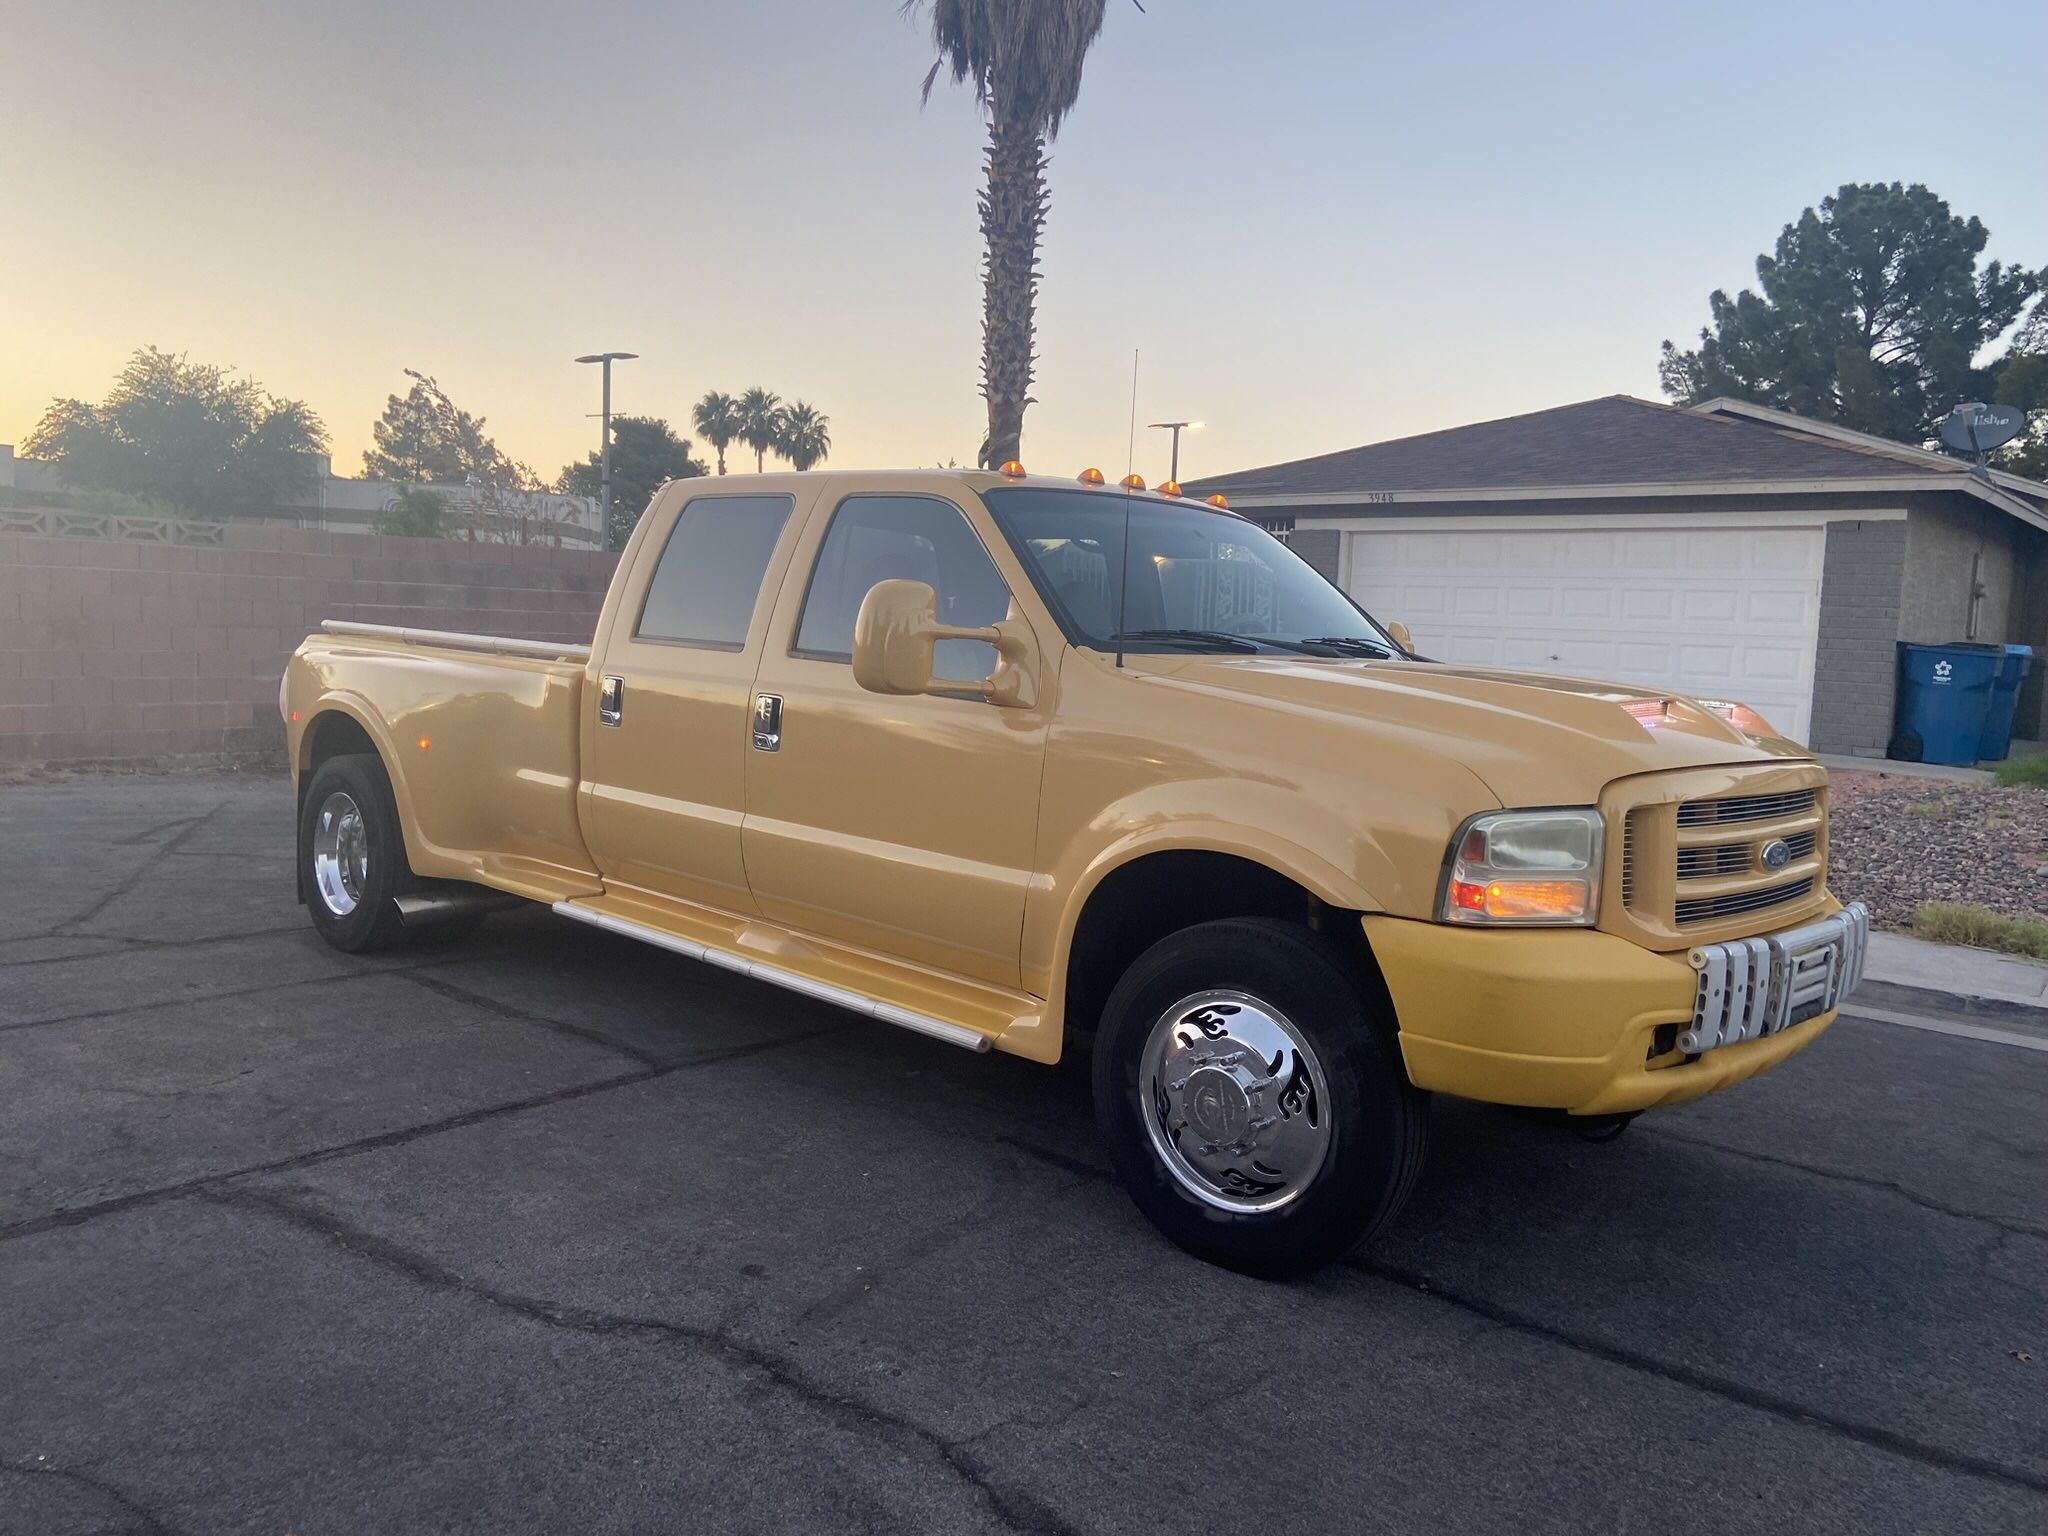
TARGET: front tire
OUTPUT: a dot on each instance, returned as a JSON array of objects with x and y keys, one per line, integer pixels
[
  {"x": 1253, "y": 1099},
  {"x": 352, "y": 854}
]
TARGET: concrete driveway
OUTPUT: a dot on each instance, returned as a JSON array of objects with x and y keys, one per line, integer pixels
[{"x": 544, "y": 1231}]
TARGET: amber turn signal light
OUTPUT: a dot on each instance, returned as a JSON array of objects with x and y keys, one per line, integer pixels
[
  {"x": 1091, "y": 477},
  {"x": 1014, "y": 470}
]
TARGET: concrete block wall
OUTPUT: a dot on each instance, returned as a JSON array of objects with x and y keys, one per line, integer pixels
[
  {"x": 114, "y": 650},
  {"x": 1862, "y": 570}
]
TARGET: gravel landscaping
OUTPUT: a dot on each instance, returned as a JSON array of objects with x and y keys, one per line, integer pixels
[{"x": 1897, "y": 842}]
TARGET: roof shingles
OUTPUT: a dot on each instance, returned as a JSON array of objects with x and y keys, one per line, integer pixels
[{"x": 1618, "y": 440}]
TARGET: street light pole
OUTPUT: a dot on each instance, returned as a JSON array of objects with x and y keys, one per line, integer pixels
[
  {"x": 1176, "y": 428},
  {"x": 605, "y": 472}
]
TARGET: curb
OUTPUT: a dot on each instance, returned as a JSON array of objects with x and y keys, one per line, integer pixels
[{"x": 1902, "y": 998}]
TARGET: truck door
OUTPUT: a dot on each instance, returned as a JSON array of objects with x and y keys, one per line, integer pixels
[
  {"x": 665, "y": 760},
  {"x": 902, "y": 825}
]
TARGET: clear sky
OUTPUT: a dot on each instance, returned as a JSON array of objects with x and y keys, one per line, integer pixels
[{"x": 1322, "y": 222}]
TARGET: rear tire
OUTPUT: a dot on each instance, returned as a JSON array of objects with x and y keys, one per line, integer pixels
[
  {"x": 352, "y": 854},
  {"x": 1252, "y": 1098}
]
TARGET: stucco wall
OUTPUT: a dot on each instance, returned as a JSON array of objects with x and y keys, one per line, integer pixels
[{"x": 113, "y": 649}]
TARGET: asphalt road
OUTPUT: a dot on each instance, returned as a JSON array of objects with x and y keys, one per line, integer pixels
[{"x": 545, "y": 1231}]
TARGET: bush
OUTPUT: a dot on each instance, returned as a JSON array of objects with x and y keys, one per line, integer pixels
[
  {"x": 2028, "y": 772},
  {"x": 1947, "y": 922},
  {"x": 417, "y": 514},
  {"x": 120, "y": 504}
]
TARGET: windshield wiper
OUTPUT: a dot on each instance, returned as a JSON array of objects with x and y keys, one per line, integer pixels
[
  {"x": 1343, "y": 645},
  {"x": 1192, "y": 639}
]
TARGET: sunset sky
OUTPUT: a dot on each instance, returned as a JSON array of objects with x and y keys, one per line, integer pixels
[{"x": 1321, "y": 222}]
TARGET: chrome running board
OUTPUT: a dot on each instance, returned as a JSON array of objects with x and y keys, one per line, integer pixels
[{"x": 775, "y": 975}]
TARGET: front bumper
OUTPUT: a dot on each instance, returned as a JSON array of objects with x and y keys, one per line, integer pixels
[{"x": 1584, "y": 1021}]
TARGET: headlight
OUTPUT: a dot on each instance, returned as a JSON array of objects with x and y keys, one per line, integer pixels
[{"x": 1523, "y": 868}]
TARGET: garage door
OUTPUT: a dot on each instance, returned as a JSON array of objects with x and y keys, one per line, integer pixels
[{"x": 1720, "y": 612}]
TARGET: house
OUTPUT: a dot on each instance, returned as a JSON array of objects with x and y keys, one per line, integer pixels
[{"x": 1724, "y": 550}]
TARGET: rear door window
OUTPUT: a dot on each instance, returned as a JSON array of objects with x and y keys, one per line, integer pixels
[{"x": 709, "y": 577}]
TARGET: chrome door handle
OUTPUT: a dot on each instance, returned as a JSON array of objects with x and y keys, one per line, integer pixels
[
  {"x": 611, "y": 700},
  {"x": 768, "y": 722}
]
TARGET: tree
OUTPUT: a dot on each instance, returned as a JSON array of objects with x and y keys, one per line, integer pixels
[
  {"x": 803, "y": 435},
  {"x": 2023, "y": 381},
  {"x": 759, "y": 410},
  {"x": 717, "y": 419},
  {"x": 1873, "y": 314},
  {"x": 187, "y": 434},
  {"x": 1024, "y": 60},
  {"x": 646, "y": 455},
  {"x": 417, "y": 514},
  {"x": 424, "y": 438}
]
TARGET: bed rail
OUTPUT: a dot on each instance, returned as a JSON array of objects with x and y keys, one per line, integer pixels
[{"x": 455, "y": 640}]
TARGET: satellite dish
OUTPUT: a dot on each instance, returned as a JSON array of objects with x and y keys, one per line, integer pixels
[{"x": 1978, "y": 428}]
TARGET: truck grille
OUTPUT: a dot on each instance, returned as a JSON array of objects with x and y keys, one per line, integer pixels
[{"x": 1722, "y": 867}]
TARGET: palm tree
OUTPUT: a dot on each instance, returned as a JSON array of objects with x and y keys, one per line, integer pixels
[
  {"x": 718, "y": 421},
  {"x": 803, "y": 434},
  {"x": 758, "y": 408},
  {"x": 1024, "y": 59}
]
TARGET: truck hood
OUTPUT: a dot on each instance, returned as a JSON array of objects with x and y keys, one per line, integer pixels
[{"x": 1534, "y": 739}]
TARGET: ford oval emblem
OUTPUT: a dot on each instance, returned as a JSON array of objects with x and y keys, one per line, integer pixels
[{"x": 1775, "y": 854}]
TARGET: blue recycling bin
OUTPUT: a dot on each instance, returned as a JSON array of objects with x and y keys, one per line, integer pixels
[
  {"x": 1944, "y": 701},
  {"x": 1995, "y": 746}
]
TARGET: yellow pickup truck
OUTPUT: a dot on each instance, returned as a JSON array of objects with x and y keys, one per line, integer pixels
[{"x": 1066, "y": 767}]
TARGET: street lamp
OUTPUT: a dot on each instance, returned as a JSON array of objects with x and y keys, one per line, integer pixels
[
  {"x": 605, "y": 475},
  {"x": 1176, "y": 428}
]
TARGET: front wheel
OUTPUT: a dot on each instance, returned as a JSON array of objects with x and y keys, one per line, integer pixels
[
  {"x": 1253, "y": 1100},
  {"x": 353, "y": 854}
]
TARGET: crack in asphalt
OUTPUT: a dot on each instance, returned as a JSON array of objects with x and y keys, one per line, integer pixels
[
  {"x": 127, "y": 945},
  {"x": 1883, "y": 1186},
  {"x": 1501, "y": 1316},
  {"x": 337, "y": 978},
  {"x": 72, "y": 1216},
  {"x": 164, "y": 850},
  {"x": 1757, "y": 1398},
  {"x": 1016, "y": 1511},
  {"x": 513, "y": 1014},
  {"x": 149, "y": 1521}
]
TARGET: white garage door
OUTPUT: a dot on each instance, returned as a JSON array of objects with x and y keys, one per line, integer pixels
[{"x": 1727, "y": 613}]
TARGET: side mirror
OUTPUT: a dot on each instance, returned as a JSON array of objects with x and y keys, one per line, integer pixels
[
  {"x": 898, "y": 629},
  {"x": 1398, "y": 633}
]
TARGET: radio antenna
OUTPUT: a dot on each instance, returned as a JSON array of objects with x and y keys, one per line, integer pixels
[{"x": 1123, "y": 592}]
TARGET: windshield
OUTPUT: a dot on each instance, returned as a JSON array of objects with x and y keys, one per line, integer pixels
[{"x": 1197, "y": 578}]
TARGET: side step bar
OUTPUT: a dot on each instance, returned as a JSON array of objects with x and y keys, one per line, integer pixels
[{"x": 775, "y": 975}]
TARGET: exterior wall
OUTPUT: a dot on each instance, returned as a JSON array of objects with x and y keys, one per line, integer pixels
[
  {"x": 1319, "y": 547},
  {"x": 112, "y": 649},
  {"x": 1947, "y": 543},
  {"x": 1854, "y": 670}
]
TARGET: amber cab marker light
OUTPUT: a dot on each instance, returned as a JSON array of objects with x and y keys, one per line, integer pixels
[
  {"x": 424, "y": 743},
  {"x": 1091, "y": 477},
  {"x": 1169, "y": 488},
  {"x": 1220, "y": 500},
  {"x": 1132, "y": 482},
  {"x": 1014, "y": 470}
]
